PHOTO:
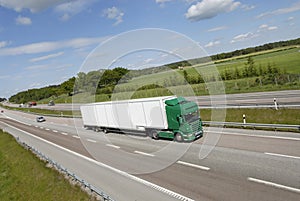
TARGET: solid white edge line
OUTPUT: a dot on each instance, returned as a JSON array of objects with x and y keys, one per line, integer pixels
[
  {"x": 262, "y": 136},
  {"x": 268, "y": 183},
  {"x": 114, "y": 146},
  {"x": 137, "y": 179},
  {"x": 94, "y": 141},
  {"x": 282, "y": 155},
  {"x": 143, "y": 153},
  {"x": 193, "y": 165}
]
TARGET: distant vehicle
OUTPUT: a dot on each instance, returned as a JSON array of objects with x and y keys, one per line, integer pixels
[
  {"x": 2, "y": 111},
  {"x": 159, "y": 117},
  {"x": 51, "y": 103},
  {"x": 33, "y": 103},
  {"x": 40, "y": 119}
]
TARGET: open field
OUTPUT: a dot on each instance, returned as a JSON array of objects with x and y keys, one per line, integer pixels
[{"x": 24, "y": 177}]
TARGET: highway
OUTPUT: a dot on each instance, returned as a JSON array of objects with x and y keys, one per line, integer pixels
[
  {"x": 243, "y": 165},
  {"x": 288, "y": 98}
]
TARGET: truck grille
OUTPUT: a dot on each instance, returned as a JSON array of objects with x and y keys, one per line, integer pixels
[{"x": 195, "y": 126}]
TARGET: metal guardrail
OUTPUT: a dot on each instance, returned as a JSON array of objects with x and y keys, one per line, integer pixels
[
  {"x": 253, "y": 125},
  {"x": 65, "y": 171}
]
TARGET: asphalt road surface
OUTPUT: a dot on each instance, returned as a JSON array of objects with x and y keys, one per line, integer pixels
[{"x": 243, "y": 165}]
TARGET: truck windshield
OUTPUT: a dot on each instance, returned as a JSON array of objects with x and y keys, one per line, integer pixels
[{"x": 191, "y": 116}]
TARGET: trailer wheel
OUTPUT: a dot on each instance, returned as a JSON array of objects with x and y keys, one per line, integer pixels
[
  {"x": 105, "y": 131},
  {"x": 154, "y": 134},
  {"x": 178, "y": 137}
]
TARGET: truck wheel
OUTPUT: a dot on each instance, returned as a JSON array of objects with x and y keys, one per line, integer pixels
[
  {"x": 105, "y": 131},
  {"x": 154, "y": 134},
  {"x": 178, "y": 137}
]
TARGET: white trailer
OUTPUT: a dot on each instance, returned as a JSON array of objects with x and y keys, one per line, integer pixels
[
  {"x": 135, "y": 114},
  {"x": 165, "y": 117}
]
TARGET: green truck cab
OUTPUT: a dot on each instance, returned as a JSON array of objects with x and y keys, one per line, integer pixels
[{"x": 184, "y": 122}]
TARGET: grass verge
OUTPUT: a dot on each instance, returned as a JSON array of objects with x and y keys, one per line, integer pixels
[
  {"x": 266, "y": 115},
  {"x": 24, "y": 177}
]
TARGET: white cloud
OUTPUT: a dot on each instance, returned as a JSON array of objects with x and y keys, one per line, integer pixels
[
  {"x": 71, "y": 8},
  {"x": 265, "y": 27},
  {"x": 50, "y": 46},
  {"x": 23, "y": 20},
  {"x": 243, "y": 37},
  {"x": 217, "y": 28},
  {"x": 114, "y": 13},
  {"x": 207, "y": 9},
  {"x": 32, "y": 5},
  {"x": 290, "y": 9},
  {"x": 46, "y": 57},
  {"x": 212, "y": 44},
  {"x": 162, "y": 1},
  {"x": 37, "y": 67},
  {"x": 4, "y": 44},
  {"x": 247, "y": 7}
]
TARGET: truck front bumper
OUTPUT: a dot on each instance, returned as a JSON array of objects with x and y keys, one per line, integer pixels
[{"x": 193, "y": 136}]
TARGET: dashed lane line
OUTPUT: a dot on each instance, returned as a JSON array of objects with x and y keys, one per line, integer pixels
[
  {"x": 143, "y": 153},
  {"x": 113, "y": 146},
  {"x": 268, "y": 183},
  {"x": 193, "y": 165},
  {"x": 75, "y": 136},
  {"x": 63, "y": 133},
  {"x": 282, "y": 155},
  {"x": 94, "y": 141}
]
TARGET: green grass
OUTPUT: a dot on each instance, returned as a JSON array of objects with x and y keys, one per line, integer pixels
[
  {"x": 268, "y": 116},
  {"x": 43, "y": 111},
  {"x": 24, "y": 177}
]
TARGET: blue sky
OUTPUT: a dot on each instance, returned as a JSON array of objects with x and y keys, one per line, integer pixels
[{"x": 45, "y": 42}]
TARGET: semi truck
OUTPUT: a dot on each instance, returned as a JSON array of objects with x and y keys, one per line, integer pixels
[{"x": 159, "y": 117}]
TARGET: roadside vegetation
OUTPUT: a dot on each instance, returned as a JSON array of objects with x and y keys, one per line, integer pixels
[
  {"x": 25, "y": 177},
  {"x": 265, "y": 115}
]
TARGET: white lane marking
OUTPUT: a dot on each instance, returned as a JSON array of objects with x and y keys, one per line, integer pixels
[
  {"x": 16, "y": 120},
  {"x": 63, "y": 133},
  {"x": 36, "y": 126},
  {"x": 143, "y": 153},
  {"x": 47, "y": 129},
  {"x": 94, "y": 141},
  {"x": 268, "y": 183},
  {"x": 41, "y": 127},
  {"x": 193, "y": 165},
  {"x": 282, "y": 155},
  {"x": 75, "y": 136},
  {"x": 113, "y": 146},
  {"x": 125, "y": 174},
  {"x": 55, "y": 131},
  {"x": 262, "y": 136}
]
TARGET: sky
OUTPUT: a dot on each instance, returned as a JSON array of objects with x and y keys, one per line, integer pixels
[{"x": 47, "y": 42}]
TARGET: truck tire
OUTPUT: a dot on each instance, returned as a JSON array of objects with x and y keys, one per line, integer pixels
[
  {"x": 154, "y": 134},
  {"x": 178, "y": 137},
  {"x": 105, "y": 131}
]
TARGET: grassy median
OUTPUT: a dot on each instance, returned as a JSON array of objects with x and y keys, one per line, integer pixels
[
  {"x": 24, "y": 177},
  {"x": 262, "y": 115}
]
